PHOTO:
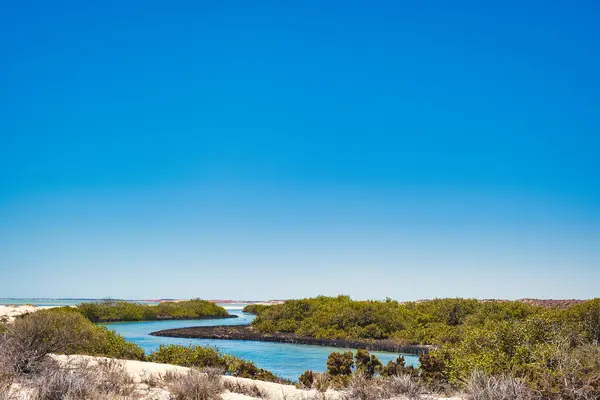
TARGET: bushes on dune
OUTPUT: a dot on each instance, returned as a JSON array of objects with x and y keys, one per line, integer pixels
[
  {"x": 106, "y": 311},
  {"x": 27, "y": 341}
]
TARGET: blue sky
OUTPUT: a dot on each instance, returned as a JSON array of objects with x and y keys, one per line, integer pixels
[{"x": 266, "y": 150}]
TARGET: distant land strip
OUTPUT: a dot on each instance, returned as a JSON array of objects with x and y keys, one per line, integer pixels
[{"x": 242, "y": 332}]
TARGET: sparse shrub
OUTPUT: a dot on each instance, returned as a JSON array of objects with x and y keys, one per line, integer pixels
[
  {"x": 397, "y": 368},
  {"x": 307, "y": 379},
  {"x": 340, "y": 363},
  {"x": 244, "y": 388},
  {"x": 481, "y": 386},
  {"x": 361, "y": 387},
  {"x": 196, "y": 386},
  {"x": 202, "y": 357},
  {"x": 403, "y": 385},
  {"x": 81, "y": 381},
  {"x": 29, "y": 339},
  {"x": 193, "y": 356},
  {"x": 366, "y": 363}
]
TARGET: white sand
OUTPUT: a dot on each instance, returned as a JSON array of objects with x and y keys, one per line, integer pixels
[{"x": 9, "y": 313}]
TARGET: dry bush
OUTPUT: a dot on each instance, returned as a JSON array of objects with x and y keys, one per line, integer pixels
[
  {"x": 403, "y": 385},
  {"x": 361, "y": 388},
  {"x": 81, "y": 381},
  {"x": 195, "y": 385},
  {"x": 152, "y": 380},
  {"x": 252, "y": 390},
  {"x": 321, "y": 382},
  {"x": 27, "y": 341},
  {"x": 481, "y": 386}
]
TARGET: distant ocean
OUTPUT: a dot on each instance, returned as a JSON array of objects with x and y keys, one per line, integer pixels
[{"x": 40, "y": 302}]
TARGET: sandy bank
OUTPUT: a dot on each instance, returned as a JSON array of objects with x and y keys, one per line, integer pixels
[
  {"x": 8, "y": 313},
  {"x": 141, "y": 372}
]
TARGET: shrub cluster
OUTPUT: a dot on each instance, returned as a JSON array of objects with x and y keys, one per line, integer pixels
[
  {"x": 255, "y": 308},
  {"x": 108, "y": 310},
  {"x": 554, "y": 352},
  {"x": 26, "y": 342},
  {"x": 207, "y": 357}
]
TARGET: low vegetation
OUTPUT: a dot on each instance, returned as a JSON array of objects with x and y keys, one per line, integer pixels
[
  {"x": 255, "y": 308},
  {"x": 551, "y": 352},
  {"x": 112, "y": 311},
  {"x": 206, "y": 357},
  {"x": 26, "y": 342},
  {"x": 196, "y": 385}
]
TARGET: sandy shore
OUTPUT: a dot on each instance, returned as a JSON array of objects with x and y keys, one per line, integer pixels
[
  {"x": 142, "y": 371},
  {"x": 8, "y": 312}
]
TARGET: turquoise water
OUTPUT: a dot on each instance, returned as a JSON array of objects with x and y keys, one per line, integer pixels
[{"x": 283, "y": 359}]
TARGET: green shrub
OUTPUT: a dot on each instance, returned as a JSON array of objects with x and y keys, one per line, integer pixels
[
  {"x": 366, "y": 363},
  {"x": 255, "y": 308},
  {"x": 108, "y": 310},
  {"x": 340, "y": 363},
  {"x": 30, "y": 338},
  {"x": 436, "y": 321},
  {"x": 196, "y": 356},
  {"x": 203, "y": 357},
  {"x": 307, "y": 379}
]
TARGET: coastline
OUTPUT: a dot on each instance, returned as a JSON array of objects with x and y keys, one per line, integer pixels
[
  {"x": 244, "y": 332},
  {"x": 169, "y": 319}
]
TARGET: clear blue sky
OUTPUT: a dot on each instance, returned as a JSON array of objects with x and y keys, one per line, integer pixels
[{"x": 268, "y": 150}]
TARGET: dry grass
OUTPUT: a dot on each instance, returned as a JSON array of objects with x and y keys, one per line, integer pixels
[
  {"x": 362, "y": 388},
  {"x": 27, "y": 341},
  {"x": 251, "y": 390},
  {"x": 481, "y": 386},
  {"x": 403, "y": 385},
  {"x": 81, "y": 381},
  {"x": 195, "y": 385}
]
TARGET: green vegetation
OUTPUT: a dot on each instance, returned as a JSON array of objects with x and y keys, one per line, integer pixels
[
  {"x": 206, "y": 357},
  {"x": 553, "y": 351},
  {"x": 255, "y": 308},
  {"x": 29, "y": 339},
  {"x": 107, "y": 311}
]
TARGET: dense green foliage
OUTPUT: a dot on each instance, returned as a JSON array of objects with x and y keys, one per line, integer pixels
[
  {"x": 552, "y": 350},
  {"x": 201, "y": 357},
  {"x": 106, "y": 311},
  {"x": 92, "y": 339},
  {"x": 255, "y": 308},
  {"x": 333, "y": 317}
]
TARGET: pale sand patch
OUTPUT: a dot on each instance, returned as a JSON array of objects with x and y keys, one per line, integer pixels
[{"x": 8, "y": 313}]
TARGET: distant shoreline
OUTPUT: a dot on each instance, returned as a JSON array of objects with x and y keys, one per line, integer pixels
[
  {"x": 244, "y": 332},
  {"x": 170, "y": 318}
]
